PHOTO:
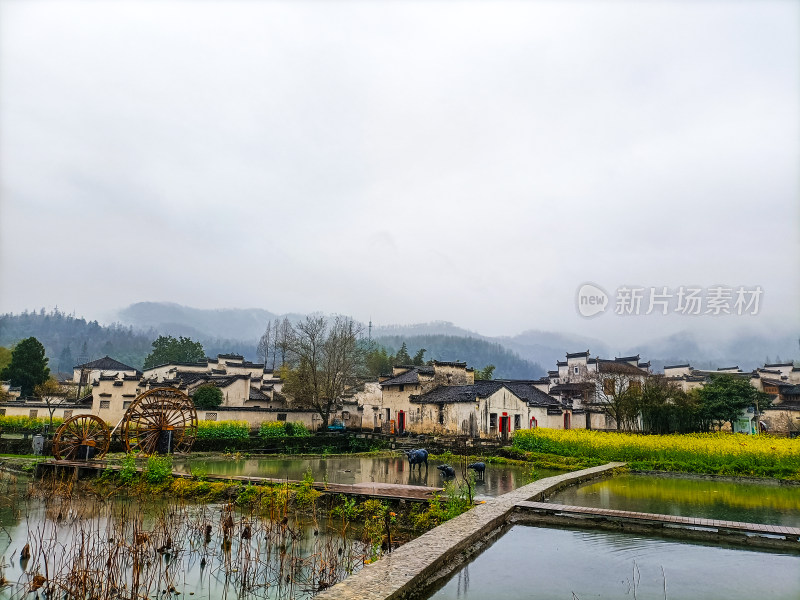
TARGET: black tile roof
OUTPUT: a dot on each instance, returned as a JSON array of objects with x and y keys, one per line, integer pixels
[
  {"x": 687, "y": 365},
  {"x": 577, "y": 354},
  {"x": 231, "y": 356},
  {"x": 448, "y": 394},
  {"x": 257, "y": 395},
  {"x": 530, "y": 394},
  {"x": 728, "y": 368},
  {"x": 618, "y": 367},
  {"x": 410, "y": 376},
  {"x": 788, "y": 364},
  {"x": 403, "y": 379},
  {"x": 627, "y": 358},
  {"x": 106, "y": 364},
  {"x": 454, "y": 363}
]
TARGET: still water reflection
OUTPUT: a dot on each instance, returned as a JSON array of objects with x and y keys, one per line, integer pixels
[
  {"x": 498, "y": 479},
  {"x": 534, "y": 563},
  {"x": 130, "y": 547},
  {"x": 694, "y": 497}
]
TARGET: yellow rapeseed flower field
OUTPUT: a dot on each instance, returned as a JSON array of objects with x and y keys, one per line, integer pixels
[{"x": 719, "y": 453}]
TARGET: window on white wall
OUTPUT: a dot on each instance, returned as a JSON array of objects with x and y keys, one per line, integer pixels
[{"x": 211, "y": 416}]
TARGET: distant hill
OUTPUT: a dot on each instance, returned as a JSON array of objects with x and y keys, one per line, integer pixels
[
  {"x": 746, "y": 350},
  {"x": 432, "y": 328},
  {"x": 545, "y": 347},
  {"x": 526, "y": 355},
  {"x": 475, "y": 352},
  {"x": 66, "y": 338},
  {"x": 197, "y": 323}
]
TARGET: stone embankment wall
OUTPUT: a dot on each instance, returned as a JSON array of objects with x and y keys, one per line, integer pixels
[{"x": 417, "y": 565}]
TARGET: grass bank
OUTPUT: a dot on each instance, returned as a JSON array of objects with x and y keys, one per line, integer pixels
[{"x": 711, "y": 453}]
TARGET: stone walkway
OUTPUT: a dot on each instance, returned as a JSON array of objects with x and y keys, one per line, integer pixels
[
  {"x": 416, "y": 564},
  {"x": 755, "y": 528}
]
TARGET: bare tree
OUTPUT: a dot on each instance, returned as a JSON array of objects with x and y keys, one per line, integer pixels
[
  {"x": 326, "y": 356},
  {"x": 53, "y": 394},
  {"x": 276, "y": 325},
  {"x": 617, "y": 393},
  {"x": 265, "y": 344},
  {"x": 284, "y": 334}
]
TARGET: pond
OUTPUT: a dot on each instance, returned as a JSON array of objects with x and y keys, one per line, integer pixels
[
  {"x": 124, "y": 547},
  {"x": 530, "y": 563},
  {"x": 745, "y": 501},
  {"x": 498, "y": 479}
]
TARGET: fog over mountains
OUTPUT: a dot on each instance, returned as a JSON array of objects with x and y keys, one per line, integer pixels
[
  {"x": 128, "y": 334},
  {"x": 527, "y": 354}
]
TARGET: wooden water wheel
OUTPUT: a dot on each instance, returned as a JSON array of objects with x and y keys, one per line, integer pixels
[
  {"x": 160, "y": 421},
  {"x": 81, "y": 437}
]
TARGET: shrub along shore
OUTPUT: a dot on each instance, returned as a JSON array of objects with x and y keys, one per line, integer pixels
[{"x": 710, "y": 453}]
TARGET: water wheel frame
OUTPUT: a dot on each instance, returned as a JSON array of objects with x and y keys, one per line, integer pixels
[
  {"x": 155, "y": 411},
  {"x": 81, "y": 431}
]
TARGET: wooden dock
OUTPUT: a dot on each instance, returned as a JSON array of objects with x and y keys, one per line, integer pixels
[
  {"x": 712, "y": 525},
  {"x": 384, "y": 491}
]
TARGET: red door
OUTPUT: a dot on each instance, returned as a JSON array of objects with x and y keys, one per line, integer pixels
[
  {"x": 566, "y": 420},
  {"x": 505, "y": 427}
]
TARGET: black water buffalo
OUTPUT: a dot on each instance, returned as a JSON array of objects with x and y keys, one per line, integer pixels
[
  {"x": 478, "y": 467},
  {"x": 417, "y": 457},
  {"x": 447, "y": 470}
]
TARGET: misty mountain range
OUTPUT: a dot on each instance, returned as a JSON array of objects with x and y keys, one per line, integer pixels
[{"x": 529, "y": 354}]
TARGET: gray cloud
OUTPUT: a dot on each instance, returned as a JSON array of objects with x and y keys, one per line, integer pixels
[{"x": 474, "y": 162}]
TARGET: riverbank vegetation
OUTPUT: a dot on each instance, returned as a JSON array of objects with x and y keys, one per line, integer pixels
[
  {"x": 712, "y": 453},
  {"x": 154, "y": 477}
]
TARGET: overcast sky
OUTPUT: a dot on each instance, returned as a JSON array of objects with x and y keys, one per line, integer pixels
[{"x": 410, "y": 161}]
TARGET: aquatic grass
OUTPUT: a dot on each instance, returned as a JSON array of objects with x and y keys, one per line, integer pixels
[
  {"x": 715, "y": 453},
  {"x": 147, "y": 547}
]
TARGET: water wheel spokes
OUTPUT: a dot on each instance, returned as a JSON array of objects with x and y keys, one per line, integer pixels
[
  {"x": 161, "y": 420},
  {"x": 81, "y": 437}
]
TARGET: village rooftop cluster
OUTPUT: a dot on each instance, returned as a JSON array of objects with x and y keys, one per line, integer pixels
[{"x": 438, "y": 398}]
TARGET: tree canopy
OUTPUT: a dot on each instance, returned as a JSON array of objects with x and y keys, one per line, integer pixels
[
  {"x": 485, "y": 373},
  {"x": 726, "y": 396},
  {"x": 28, "y": 367},
  {"x": 167, "y": 349},
  {"x": 5, "y": 357},
  {"x": 402, "y": 357},
  {"x": 207, "y": 396}
]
